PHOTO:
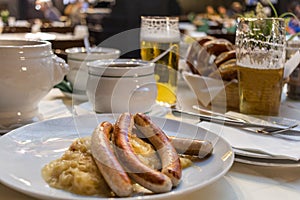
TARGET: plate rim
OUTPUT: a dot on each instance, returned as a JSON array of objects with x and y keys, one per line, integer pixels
[{"x": 154, "y": 196}]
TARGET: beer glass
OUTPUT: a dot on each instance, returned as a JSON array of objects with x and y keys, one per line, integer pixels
[
  {"x": 260, "y": 52},
  {"x": 160, "y": 34},
  {"x": 293, "y": 84}
]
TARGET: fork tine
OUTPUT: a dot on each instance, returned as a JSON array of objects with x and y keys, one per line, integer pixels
[{"x": 274, "y": 131}]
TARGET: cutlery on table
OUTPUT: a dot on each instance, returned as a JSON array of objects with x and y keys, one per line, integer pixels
[
  {"x": 263, "y": 129},
  {"x": 217, "y": 114},
  {"x": 273, "y": 131}
]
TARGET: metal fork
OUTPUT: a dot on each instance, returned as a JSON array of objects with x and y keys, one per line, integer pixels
[
  {"x": 274, "y": 131},
  {"x": 263, "y": 129}
]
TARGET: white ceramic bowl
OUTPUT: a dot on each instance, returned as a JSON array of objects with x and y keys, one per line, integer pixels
[
  {"x": 77, "y": 60},
  {"x": 121, "y": 85},
  {"x": 29, "y": 69}
]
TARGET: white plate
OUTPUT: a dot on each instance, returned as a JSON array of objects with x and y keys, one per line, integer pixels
[{"x": 26, "y": 150}]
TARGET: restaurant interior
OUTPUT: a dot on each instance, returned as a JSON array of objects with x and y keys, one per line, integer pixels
[
  {"x": 149, "y": 99},
  {"x": 105, "y": 18}
]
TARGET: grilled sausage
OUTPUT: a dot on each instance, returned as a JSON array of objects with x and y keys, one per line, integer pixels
[
  {"x": 107, "y": 162},
  {"x": 149, "y": 178},
  {"x": 168, "y": 155},
  {"x": 186, "y": 146}
]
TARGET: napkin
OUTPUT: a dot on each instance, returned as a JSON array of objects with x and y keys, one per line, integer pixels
[
  {"x": 291, "y": 65},
  {"x": 49, "y": 109},
  {"x": 250, "y": 141},
  {"x": 205, "y": 88}
]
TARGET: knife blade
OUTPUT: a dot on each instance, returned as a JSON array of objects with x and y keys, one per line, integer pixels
[{"x": 237, "y": 123}]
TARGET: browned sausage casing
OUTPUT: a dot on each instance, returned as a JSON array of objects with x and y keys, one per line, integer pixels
[
  {"x": 168, "y": 155},
  {"x": 187, "y": 146},
  {"x": 149, "y": 178},
  {"x": 107, "y": 162}
]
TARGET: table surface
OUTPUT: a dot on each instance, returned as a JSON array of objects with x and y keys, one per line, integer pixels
[{"x": 243, "y": 181}]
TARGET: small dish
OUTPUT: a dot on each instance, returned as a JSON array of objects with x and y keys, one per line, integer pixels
[
  {"x": 78, "y": 58},
  {"x": 121, "y": 85},
  {"x": 29, "y": 70}
]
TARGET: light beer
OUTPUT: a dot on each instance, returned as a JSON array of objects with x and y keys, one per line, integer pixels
[
  {"x": 166, "y": 68},
  {"x": 260, "y": 56},
  {"x": 260, "y": 90},
  {"x": 158, "y": 34}
]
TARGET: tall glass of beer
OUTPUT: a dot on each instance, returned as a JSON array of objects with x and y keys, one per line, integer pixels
[
  {"x": 160, "y": 34},
  {"x": 260, "y": 52}
]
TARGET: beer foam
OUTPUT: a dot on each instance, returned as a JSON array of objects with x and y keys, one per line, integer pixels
[
  {"x": 261, "y": 58},
  {"x": 258, "y": 54},
  {"x": 161, "y": 37},
  {"x": 263, "y": 65},
  {"x": 160, "y": 29}
]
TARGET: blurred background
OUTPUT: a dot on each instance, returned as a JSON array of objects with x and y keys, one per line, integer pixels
[{"x": 100, "y": 19}]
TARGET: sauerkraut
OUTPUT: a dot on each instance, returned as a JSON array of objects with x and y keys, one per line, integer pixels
[{"x": 77, "y": 172}]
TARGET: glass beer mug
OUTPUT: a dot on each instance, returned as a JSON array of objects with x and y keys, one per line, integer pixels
[
  {"x": 159, "y": 34},
  {"x": 260, "y": 52}
]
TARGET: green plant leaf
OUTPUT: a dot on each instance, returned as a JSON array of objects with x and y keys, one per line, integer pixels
[{"x": 64, "y": 86}]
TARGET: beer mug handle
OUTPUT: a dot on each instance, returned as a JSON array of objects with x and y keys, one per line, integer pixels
[{"x": 60, "y": 69}]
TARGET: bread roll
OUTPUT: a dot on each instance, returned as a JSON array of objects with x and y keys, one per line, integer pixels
[
  {"x": 225, "y": 56},
  {"x": 228, "y": 70},
  {"x": 201, "y": 58},
  {"x": 205, "y": 39},
  {"x": 218, "y": 46}
]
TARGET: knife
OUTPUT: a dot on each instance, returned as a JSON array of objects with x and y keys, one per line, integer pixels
[{"x": 238, "y": 123}]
